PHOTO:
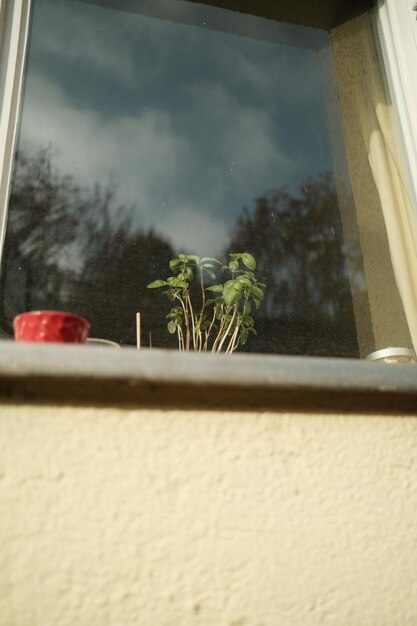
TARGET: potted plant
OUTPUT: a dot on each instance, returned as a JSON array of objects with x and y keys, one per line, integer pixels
[{"x": 222, "y": 318}]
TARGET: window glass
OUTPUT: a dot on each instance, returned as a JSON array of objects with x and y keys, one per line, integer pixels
[{"x": 164, "y": 128}]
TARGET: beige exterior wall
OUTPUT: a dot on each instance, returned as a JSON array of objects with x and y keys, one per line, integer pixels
[{"x": 117, "y": 517}]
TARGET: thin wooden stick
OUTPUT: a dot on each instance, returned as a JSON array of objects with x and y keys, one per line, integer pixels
[{"x": 138, "y": 331}]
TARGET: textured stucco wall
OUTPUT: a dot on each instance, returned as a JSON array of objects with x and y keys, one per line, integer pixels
[{"x": 117, "y": 517}]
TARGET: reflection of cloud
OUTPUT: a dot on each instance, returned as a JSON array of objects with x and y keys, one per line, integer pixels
[
  {"x": 141, "y": 154},
  {"x": 246, "y": 132},
  {"x": 155, "y": 166},
  {"x": 89, "y": 43},
  {"x": 199, "y": 133},
  {"x": 194, "y": 232}
]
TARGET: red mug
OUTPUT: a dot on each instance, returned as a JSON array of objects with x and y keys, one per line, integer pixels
[{"x": 50, "y": 326}]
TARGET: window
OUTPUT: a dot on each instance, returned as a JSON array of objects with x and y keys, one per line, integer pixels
[{"x": 151, "y": 128}]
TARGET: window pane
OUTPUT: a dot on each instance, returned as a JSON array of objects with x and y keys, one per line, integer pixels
[{"x": 174, "y": 127}]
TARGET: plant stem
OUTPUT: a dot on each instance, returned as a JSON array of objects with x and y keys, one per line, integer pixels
[
  {"x": 232, "y": 343},
  {"x": 203, "y": 306},
  {"x": 186, "y": 321},
  {"x": 192, "y": 319},
  {"x": 227, "y": 330},
  {"x": 205, "y": 347},
  {"x": 219, "y": 333},
  {"x": 180, "y": 339}
]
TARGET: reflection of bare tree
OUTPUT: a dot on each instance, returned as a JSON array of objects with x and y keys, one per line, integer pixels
[
  {"x": 300, "y": 250},
  {"x": 76, "y": 249},
  {"x": 45, "y": 210},
  {"x": 112, "y": 287}
]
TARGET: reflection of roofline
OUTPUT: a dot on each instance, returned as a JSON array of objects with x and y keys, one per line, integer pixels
[{"x": 223, "y": 19}]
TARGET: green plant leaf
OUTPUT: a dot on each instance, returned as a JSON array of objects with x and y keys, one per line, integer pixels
[
  {"x": 249, "y": 321},
  {"x": 172, "y": 326},
  {"x": 175, "y": 313},
  {"x": 233, "y": 266},
  {"x": 175, "y": 281},
  {"x": 230, "y": 292},
  {"x": 186, "y": 274},
  {"x": 218, "y": 311},
  {"x": 156, "y": 284},
  {"x": 257, "y": 292},
  {"x": 248, "y": 260},
  {"x": 173, "y": 264},
  {"x": 246, "y": 308},
  {"x": 216, "y": 288},
  {"x": 244, "y": 337},
  {"x": 245, "y": 281}
]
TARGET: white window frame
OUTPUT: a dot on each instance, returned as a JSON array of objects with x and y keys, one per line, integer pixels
[
  {"x": 14, "y": 26},
  {"x": 396, "y": 26}
]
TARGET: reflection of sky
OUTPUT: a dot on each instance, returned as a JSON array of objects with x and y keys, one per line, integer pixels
[{"x": 192, "y": 124}]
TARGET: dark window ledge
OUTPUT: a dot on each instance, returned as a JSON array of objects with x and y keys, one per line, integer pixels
[{"x": 161, "y": 378}]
